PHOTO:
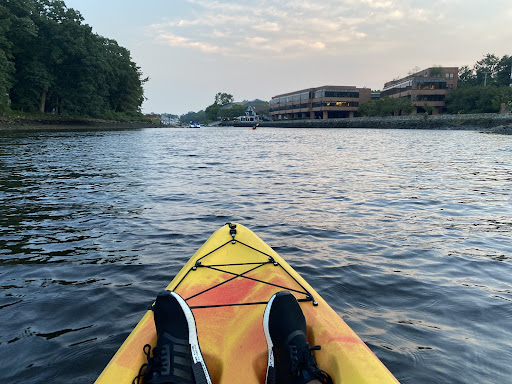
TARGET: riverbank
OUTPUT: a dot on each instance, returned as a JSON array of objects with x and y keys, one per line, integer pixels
[
  {"x": 484, "y": 121},
  {"x": 53, "y": 122}
]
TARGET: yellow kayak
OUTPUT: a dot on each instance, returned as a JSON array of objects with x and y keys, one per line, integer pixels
[{"x": 227, "y": 284}]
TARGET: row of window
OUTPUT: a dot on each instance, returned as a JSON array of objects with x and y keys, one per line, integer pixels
[
  {"x": 304, "y": 96},
  {"x": 336, "y": 104},
  {"x": 286, "y": 107},
  {"x": 417, "y": 86},
  {"x": 290, "y": 98},
  {"x": 278, "y": 108},
  {"x": 336, "y": 93},
  {"x": 448, "y": 75}
]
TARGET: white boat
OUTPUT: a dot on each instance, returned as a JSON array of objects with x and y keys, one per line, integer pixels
[{"x": 194, "y": 125}]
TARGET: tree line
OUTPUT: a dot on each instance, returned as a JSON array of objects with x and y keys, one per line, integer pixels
[
  {"x": 481, "y": 89},
  {"x": 50, "y": 61},
  {"x": 216, "y": 111}
]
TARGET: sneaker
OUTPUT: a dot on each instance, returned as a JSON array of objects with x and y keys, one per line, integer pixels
[
  {"x": 177, "y": 358},
  {"x": 290, "y": 358}
]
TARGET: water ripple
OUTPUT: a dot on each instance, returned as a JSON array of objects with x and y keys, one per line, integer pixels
[{"x": 405, "y": 233}]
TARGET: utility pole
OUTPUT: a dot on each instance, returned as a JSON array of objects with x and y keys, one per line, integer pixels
[
  {"x": 485, "y": 78},
  {"x": 511, "y": 75}
]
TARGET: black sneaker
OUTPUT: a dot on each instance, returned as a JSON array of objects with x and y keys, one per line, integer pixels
[
  {"x": 290, "y": 358},
  {"x": 177, "y": 358}
]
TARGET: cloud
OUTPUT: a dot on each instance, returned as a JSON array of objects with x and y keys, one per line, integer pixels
[
  {"x": 267, "y": 26},
  {"x": 379, "y": 3},
  {"x": 180, "y": 41},
  {"x": 277, "y": 27}
]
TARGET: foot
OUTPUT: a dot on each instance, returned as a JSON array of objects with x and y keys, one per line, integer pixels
[
  {"x": 177, "y": 358},
  {"x": 290, "y": 358}
]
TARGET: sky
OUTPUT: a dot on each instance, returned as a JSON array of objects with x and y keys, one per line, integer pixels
[{"x": 257, "y": 49}]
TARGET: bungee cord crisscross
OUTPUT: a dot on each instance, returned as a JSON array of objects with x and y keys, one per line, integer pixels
[{"x": 252, "y": 266}]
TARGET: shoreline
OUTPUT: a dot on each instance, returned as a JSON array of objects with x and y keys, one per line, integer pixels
[
  {"x": 485, "y": 121},
  {"x": 18, "y": 123},
  {"x": 488, "y": 123}
]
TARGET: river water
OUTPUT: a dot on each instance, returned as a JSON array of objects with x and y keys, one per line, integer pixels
[{"x": 405, "y": 233}]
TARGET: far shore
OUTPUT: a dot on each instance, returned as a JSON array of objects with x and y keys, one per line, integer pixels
[
  {"x": 491, "y": 123},
  {"x": 482, "y": 122},
  {"x": 52, "y": 122}
]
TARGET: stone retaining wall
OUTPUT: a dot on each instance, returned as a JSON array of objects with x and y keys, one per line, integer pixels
[{"x": 484, "y": 121}]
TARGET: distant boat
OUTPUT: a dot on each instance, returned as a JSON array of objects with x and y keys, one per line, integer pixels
[{"x": 194, "y": 125}]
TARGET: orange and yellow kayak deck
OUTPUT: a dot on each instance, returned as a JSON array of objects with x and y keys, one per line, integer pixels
[{"x": 227, "y": 283}]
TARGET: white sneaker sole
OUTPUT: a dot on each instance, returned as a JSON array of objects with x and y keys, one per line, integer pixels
[{"x": 266, "y": 330}]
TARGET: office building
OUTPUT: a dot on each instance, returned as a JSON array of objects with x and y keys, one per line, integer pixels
[
  {"x": 325, "y": 102},
  {"x": 427, "y": 87}
]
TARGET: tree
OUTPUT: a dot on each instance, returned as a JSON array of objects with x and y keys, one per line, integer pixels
[
  {"x": 62, "y": 66},
  {"x": 478, "y": 99},
  {"x": 467, "y": 76},
  {"x": 233, "y": 111},
  {"x": 223, "y": 98},
  {"x": 428, "y": 109},
  {"x": 6, "y": 63},
  {"x": 212, "y": 111},
  {"x": 491, "y": 70},
  {"x": 503, "y": 70},
  {"x": 486, "y": 69},
  {"x": 386, "y": 106},
  {"x": 199, "y": 117}
]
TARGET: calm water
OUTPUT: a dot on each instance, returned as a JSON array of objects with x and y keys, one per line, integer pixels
[{"x": 405, "y": 233}]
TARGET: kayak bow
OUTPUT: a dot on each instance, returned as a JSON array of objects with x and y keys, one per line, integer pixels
[{"x": 227, "y": 284}]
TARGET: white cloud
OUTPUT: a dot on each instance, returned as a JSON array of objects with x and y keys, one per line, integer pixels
[
  {"x": 379, "y": 3},
  {"x": 396, "y": 14},
  {"x": 276, "y": 27},
  {"x": 180, "y": 41},
  {"x": 267, "y": 26}
]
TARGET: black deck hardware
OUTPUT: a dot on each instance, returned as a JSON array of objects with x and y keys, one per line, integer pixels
[{"x": 232, "y": 232}]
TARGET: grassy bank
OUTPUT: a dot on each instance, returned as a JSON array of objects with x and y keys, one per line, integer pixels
[{"x": 23, "y": 121}]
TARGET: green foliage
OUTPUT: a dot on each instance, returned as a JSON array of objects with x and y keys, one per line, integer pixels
[
  {"x": 212, "y": 111},
  {"x": 386, "y": 106},
  {"x": 233, "y": 111},
  {"x": 478, "y": 99},
  {"x": 490, "y": 70},
  {"x": 472, "y": 96},
  {"x": 199, "y": 117},
  {"x": 61, "y": 66},
  {"x": 222, "y": 98},
  {"x": 428, "y": 109},
  {"x": 436, "y": 71},
  {"x": 6, "y": 63}
]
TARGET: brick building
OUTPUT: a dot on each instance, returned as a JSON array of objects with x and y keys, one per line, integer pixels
[
  {"x": 428, "y": 86},
  {"x": 325, "y": 102}
]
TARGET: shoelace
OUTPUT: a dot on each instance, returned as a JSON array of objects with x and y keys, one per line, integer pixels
[
  {"x": 143, "y": 369},
  {"x": 154, "y": 364},
  {"x": 303, "y": 362}
]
